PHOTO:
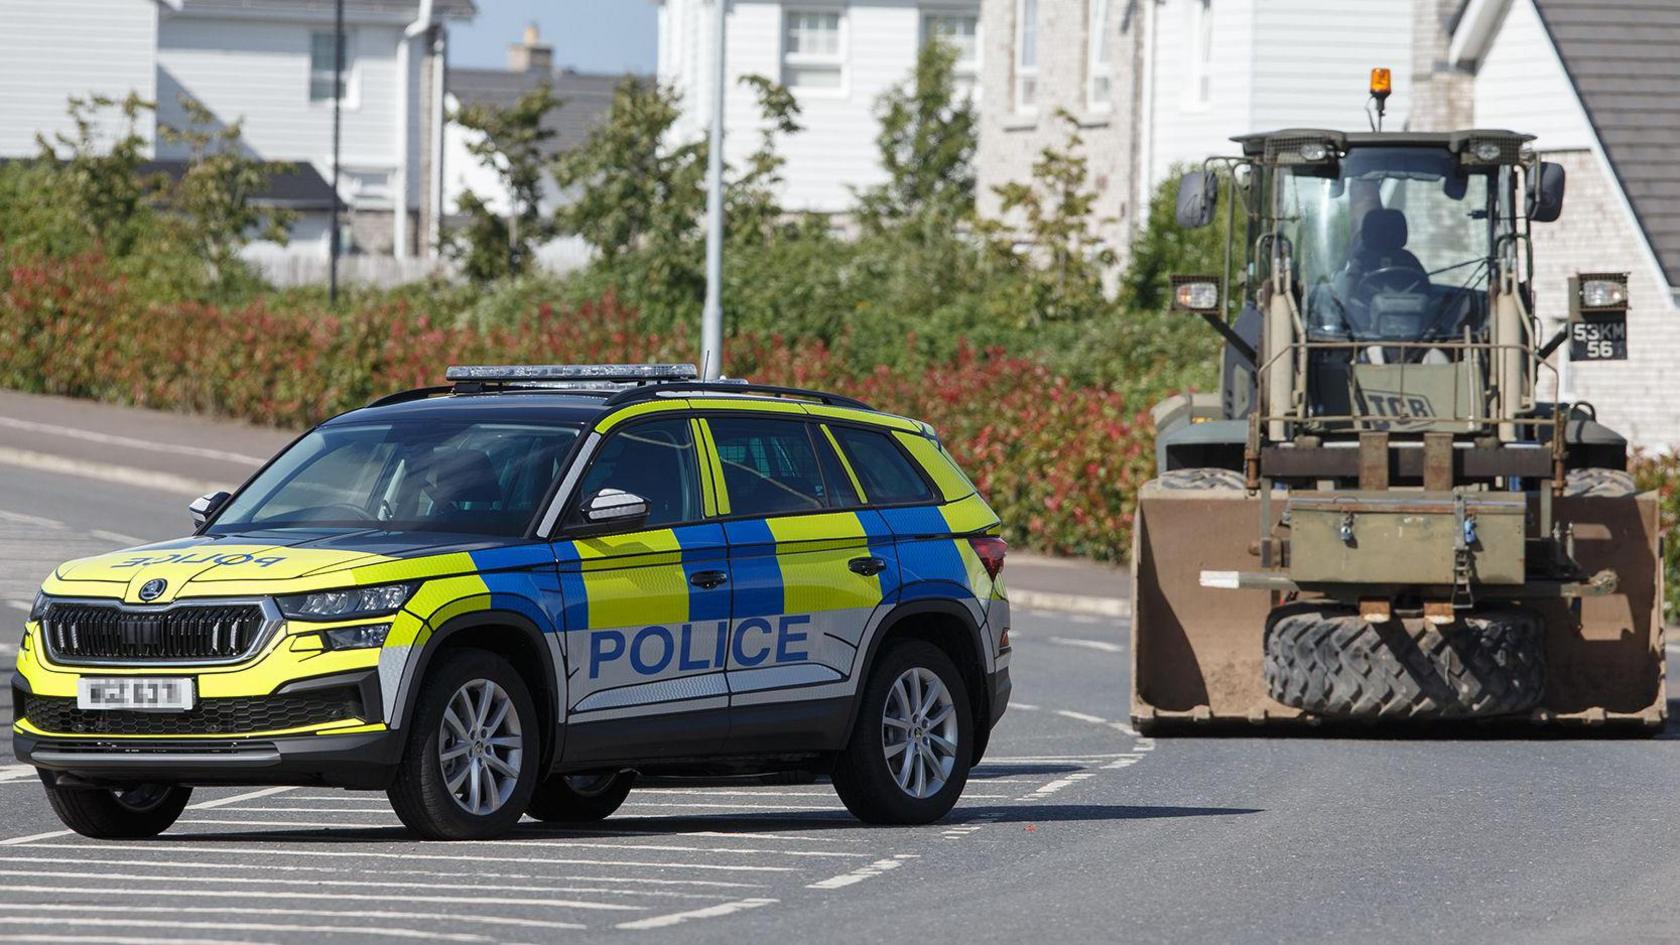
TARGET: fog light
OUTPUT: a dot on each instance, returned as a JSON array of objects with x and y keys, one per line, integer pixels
[{"x": 357, "y": 638}]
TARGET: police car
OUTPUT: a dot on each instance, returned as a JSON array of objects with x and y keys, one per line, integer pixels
[{"x": 512, "y": 594}]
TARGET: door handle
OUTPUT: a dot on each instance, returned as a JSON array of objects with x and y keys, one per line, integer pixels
[
  {"x": 868, "y": 567},
  {"x": 708, "y": 579}
]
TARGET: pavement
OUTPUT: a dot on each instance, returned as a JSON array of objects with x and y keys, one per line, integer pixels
[{"x": 1074, "y": 829}]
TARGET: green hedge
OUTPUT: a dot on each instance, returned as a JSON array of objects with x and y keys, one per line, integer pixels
[{"x": 1060, "y": 462}]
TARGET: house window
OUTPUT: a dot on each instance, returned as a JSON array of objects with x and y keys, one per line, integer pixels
[
  {"x": 1201, "y": 52},
  {"x": 814, "y": 53},
  {"x": 322, "y": 47},
  {"x": 1099, "y": 66},
  {"x": 1026, "y": 55},
  {"x": 962, "y": 33}
]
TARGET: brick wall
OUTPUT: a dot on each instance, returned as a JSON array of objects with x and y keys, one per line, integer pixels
[
  {"x": 1595, "y": 234},
  {"x": 1011, "y": 141}
]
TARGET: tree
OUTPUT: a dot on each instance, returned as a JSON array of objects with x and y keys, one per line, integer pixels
[
  {"x": 927, "y": 143},
  {"x": 753, "y": 207},
  {"x": 102, "y": 186},
  {"x": 513, "y": 142},
  {"x": 628, "y": 185},
  {"x": 213, "y": 202},
  {"x": 1065, "y": 260}
]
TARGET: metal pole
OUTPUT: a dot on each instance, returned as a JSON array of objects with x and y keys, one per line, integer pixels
[
  {"x": 338, "y": 99},
  {"x": 711, "y": 318}
]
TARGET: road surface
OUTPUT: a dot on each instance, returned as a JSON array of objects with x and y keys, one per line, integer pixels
[{"x": 1073, "y": 830}]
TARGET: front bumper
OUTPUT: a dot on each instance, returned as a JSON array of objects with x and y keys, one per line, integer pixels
[{"x": 353, "y": 760}]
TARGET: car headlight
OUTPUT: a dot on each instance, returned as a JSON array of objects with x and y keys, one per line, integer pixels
[
  {"x": 346, "y": 603},
  {"x": 364, "y": 637},
  {"x": 38, "y": 609}
]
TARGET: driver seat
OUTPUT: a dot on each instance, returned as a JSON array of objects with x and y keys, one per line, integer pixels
[{"x": 1382, "y": 244}]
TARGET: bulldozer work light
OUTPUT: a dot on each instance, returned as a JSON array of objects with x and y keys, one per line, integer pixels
[{"x": 1198, "y": 294}]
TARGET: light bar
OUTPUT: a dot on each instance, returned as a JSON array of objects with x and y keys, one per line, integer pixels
[{"x": 503, "y": 373}]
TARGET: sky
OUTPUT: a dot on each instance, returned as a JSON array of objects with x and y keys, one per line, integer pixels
[{"x": 587, "y": 35}]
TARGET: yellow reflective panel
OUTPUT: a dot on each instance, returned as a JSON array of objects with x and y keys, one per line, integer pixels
[
  {"x": 276, "y": 665},
  {"x": 970, "y": 514},
  {"x": 870, "y": 417},
  {"x": 812, "y": 552},
  {"x": 708, "y": 486},
  {"x": 634, "y": 579},
  {"x": 716, "y": 466},
  {"x": 642, "y": 409},
  {"x": 762, "y": 404},
  {"x": 951, "y": 482}
]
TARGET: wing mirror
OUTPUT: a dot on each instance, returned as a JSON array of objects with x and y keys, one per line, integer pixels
[
  {"x": 1198, "y": 197},
  {"x": 206, "y": 506},
  {"x": 1545, "y": 193},
  {"x": 611, "y": 510}
]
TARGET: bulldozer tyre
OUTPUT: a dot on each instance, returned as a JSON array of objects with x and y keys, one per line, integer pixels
[
  {"x": 1203, "y": 477},
  {"x": 1610, "y": 483},
  {"x": 1339, "y": 666}
]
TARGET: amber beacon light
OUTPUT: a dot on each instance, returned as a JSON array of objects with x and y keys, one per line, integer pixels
[{"x": 1382, "y": 82}]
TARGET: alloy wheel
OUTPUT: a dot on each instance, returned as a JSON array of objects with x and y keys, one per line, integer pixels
[
  {"x": 919, "y": 732},
  {"x": 480, "y": 747}
]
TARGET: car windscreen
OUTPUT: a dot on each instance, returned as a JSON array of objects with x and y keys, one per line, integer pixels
[{"x": 460, "y": 477}]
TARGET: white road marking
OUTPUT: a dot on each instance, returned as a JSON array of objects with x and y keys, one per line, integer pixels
[
  {"x": 349, "y": 897},
  {"x": 120, "y": 940},
  {"x": 129, "y": 442},
  {"x": 1081, "y": 716},
  {"x": 248, "y": 796},
  {"x": 1101, "y": 645},
  {"x": 710, "y": 912},
  {"x": 1055, "y": 786},
  {"x": 244, "y": 911},
  {"x": 1041, "y": 603},
  {"x": 14, "y": 841},
  {"x": 1040, "y": 759},
  {"x": 106, "y": 472},
  {"x": 341, "y": 871},
  {"x": 22, "y": 605},
  {"x": 118, "y": 537},
  {"x": 570, "y": 862},
  {"x": 270, "y": 880},
  {"x": 860, "y": 874},
  {"x": 17, "y": 772},
  {"x": 833, "y": 808},
  {"x": 20, "y": 518},
  {"x": 1023, "y": 706},
  {"x": 962, "y": 830},
  {"x": 265, "y": 852},
  {"x": 381, "y": 931}
]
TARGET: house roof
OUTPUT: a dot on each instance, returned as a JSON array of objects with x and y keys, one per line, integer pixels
[
  {"x": 1620, "y": 56},
  {"x": 293, "y": 185},
  {"x": 586, "y": 98}
]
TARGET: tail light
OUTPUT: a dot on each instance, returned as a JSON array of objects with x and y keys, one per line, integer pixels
[{"x": 990, "y": 549}]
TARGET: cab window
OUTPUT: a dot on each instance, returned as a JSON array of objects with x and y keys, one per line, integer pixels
[
  {"x": 770, "y": 467},
  {"x": 888, "y": 476},
  {"x": 655, "y": 460}
]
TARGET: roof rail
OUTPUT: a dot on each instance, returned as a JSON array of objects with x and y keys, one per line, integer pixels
[
  {"x": 649, "y": 392},
  {"x": 404, "y": 396}
]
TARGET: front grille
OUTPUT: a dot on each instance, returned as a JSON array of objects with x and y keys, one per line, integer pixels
[
  {"x": 77, "y": 631},
  {"x": 58, "y": 714}
]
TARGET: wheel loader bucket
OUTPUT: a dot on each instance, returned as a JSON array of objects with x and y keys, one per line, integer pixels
[{"x": 1198, "y": 653}]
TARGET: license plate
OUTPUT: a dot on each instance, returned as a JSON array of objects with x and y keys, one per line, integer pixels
[{"x": 171, "y": 694}]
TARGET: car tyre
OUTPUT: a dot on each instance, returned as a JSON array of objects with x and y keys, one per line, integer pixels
[
  {"x": 580, "y": 798},
  {"x": 132, "y": 813},
  {"x": 910, "y": 749},
  {"x": 474, "y": 721}
]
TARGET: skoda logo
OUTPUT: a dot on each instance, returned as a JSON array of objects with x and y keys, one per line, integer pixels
[{"x": 153, "y": 589}]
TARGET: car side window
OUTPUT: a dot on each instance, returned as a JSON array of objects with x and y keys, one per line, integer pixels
[
  {"x": 655, "y": 460},
  {"x": 769, "y": 466},
  {"x": 888, "y": 476}
]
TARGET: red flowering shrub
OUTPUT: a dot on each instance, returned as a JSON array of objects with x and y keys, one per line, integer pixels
[{"x": 1061, "y": 463}]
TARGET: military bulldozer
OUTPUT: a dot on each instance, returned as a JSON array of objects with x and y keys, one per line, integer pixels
[{"x": 1387, "y": 513}]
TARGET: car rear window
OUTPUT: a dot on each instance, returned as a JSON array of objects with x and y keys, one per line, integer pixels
[
  {"x": 769, "y": 466},
  {"x": 888, "y": 476}
]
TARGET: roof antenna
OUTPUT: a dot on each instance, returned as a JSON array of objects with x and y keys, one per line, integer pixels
[{"x": 1382, "y": 84}]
